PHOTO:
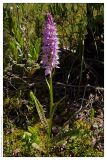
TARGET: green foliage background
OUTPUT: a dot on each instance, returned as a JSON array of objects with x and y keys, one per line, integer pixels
[{"x": 23, "y": 24}]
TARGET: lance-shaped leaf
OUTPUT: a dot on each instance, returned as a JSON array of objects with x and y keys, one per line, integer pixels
[
  {"x": 48, "y": 84},
  {"x": 55, "y": 105},
  {"x": 40, "y": 110}
]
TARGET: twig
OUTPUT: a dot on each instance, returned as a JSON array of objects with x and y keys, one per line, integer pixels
[{"x": 82, "y": 86}]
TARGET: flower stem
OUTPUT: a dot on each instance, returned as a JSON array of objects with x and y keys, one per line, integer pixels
[
  {"x": 51, "y": 95},
  {"x": 50, "y": 112},
  {"x": 51, "y": 106}
]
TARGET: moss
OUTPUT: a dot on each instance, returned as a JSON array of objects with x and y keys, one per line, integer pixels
[
  {"x": 12, "y": 142},
  {"x": 82, "y": 143},
  {"x": 77, "y": 143}
]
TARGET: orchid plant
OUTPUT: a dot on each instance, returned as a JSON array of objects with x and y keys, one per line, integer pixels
[{"x": 50, "y": 61}]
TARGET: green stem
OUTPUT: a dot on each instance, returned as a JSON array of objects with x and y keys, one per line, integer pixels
[
  {"x": 51, "y": 95},
  {"x": 51, "y": 106},
  {"x": 50, "y": 112}
]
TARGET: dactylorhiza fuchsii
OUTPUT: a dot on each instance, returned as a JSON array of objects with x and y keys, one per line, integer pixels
[
  {"x": 50, "y": 46},
  {"x": 49, "y": 60}
]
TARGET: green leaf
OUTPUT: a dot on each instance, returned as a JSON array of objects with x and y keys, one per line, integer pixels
[
  {"x": 40, "y": 110},
  {"x": 92, "y": 113},
  {"x": 27, "y": 136},
  {"x": 31, "y": 129},
  {"x": 55, "y": 105},
  {"x": 48, "y": 83}
]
